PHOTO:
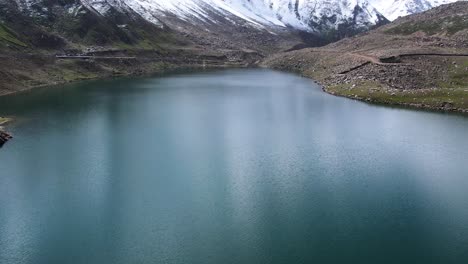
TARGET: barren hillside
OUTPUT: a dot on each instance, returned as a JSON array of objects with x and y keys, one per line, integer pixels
[{"x": 420, "y": 61}]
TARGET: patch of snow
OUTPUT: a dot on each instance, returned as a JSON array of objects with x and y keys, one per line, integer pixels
[{"x": 392, "y": 9}]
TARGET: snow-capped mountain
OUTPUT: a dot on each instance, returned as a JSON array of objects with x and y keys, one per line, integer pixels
[
  {"x": 308, "y": 15},
  {"x": 317, "y": 16},
  {"x": 392, "y": 9}
]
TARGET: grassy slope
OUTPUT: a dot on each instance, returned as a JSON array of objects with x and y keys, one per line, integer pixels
[
  {"x": 8, "y": 38},
  {"x": 4, "y": 120}
]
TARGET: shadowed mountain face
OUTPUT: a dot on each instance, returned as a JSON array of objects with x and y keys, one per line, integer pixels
[
  {"x": 214, "y": 22},
  {"x": 69, "y": 23}
]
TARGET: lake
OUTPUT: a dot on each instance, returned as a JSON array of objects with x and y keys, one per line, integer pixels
[{"x": 230, "y": 166}]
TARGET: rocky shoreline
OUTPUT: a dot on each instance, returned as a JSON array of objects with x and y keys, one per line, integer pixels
[
  {"x": 418, "y": 61},
  {"x": 447, "y": 108},
  {"x": 33, "y": 70},
  {"x": 428, "y": 82},
  {"x": 4, "y": 136},
  {"x": 384, "y": 83}
]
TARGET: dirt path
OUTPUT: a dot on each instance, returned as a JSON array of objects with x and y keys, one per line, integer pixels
[{"x": 95, "y": 57}]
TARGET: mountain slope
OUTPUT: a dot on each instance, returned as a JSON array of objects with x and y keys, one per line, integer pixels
[
  {"x": 54, "y": 25},
  {"x": 420, "y": 60},
  {"x": 317, "y": 16}
]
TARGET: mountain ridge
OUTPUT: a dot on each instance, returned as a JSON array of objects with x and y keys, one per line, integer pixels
[{"x": 310, "y": 15}]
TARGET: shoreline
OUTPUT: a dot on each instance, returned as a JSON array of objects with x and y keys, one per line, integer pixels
[
  {"x": 373, "y": 89},
  {"x": 4, "y": 120},
  {"x": 4, "y": 136},
  {"x": 401, "y": 105},
  {"x": 173, "y": 68},
  {"x": 369, "y": 100},
  {"x": 168, "y": 68}
]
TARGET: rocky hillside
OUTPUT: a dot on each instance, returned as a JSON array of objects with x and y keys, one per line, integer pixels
[
  {"x": 222, "y": 22},
  {"x": 419, "y": 60}
]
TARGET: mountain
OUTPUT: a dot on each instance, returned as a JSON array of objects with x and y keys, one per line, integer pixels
[
  {"x": 314, "y": 16},
  {"x": 262, "y": 25},
  {"x": 420, "y": 60},
  {"x": 399, "y": 8},
  {"x": 309, "y": 15}
]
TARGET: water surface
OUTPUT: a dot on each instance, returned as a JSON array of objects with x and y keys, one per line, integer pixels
[{"x": 235, "y": 166}]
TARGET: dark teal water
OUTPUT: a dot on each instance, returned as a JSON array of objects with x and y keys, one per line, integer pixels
[{"x": 235, "y": 166}]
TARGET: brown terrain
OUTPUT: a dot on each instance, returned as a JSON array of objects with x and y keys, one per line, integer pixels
[{"x": 417, "y": 61}]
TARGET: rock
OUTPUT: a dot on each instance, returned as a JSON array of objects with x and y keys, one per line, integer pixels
[
  {"x": 446, "y": 105},
  {"x": 4, "y": 137}
]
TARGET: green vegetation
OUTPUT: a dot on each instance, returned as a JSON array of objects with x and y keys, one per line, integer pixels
[
  {"x": 458, "y": 75},
  {"x": 8, "y": 35},
  {"x": 377, "y": 93},
  {"x": 70, "y": 70},
  {"x": 72, "y": 75},
  {"x": 4, "y": 120},
  {"x": 450, "y": 25}
]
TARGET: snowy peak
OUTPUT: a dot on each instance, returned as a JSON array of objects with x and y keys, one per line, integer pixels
[
  {"x": 309, "y": 15},
  {"x": 299, "y": 14},
  {"x": 397, "y": 8}
]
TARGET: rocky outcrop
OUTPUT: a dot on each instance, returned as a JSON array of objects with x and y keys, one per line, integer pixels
[{"x": 4, "y": 137}]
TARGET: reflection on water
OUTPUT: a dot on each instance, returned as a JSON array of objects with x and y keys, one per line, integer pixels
[{"x": 236, "y": 166}]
